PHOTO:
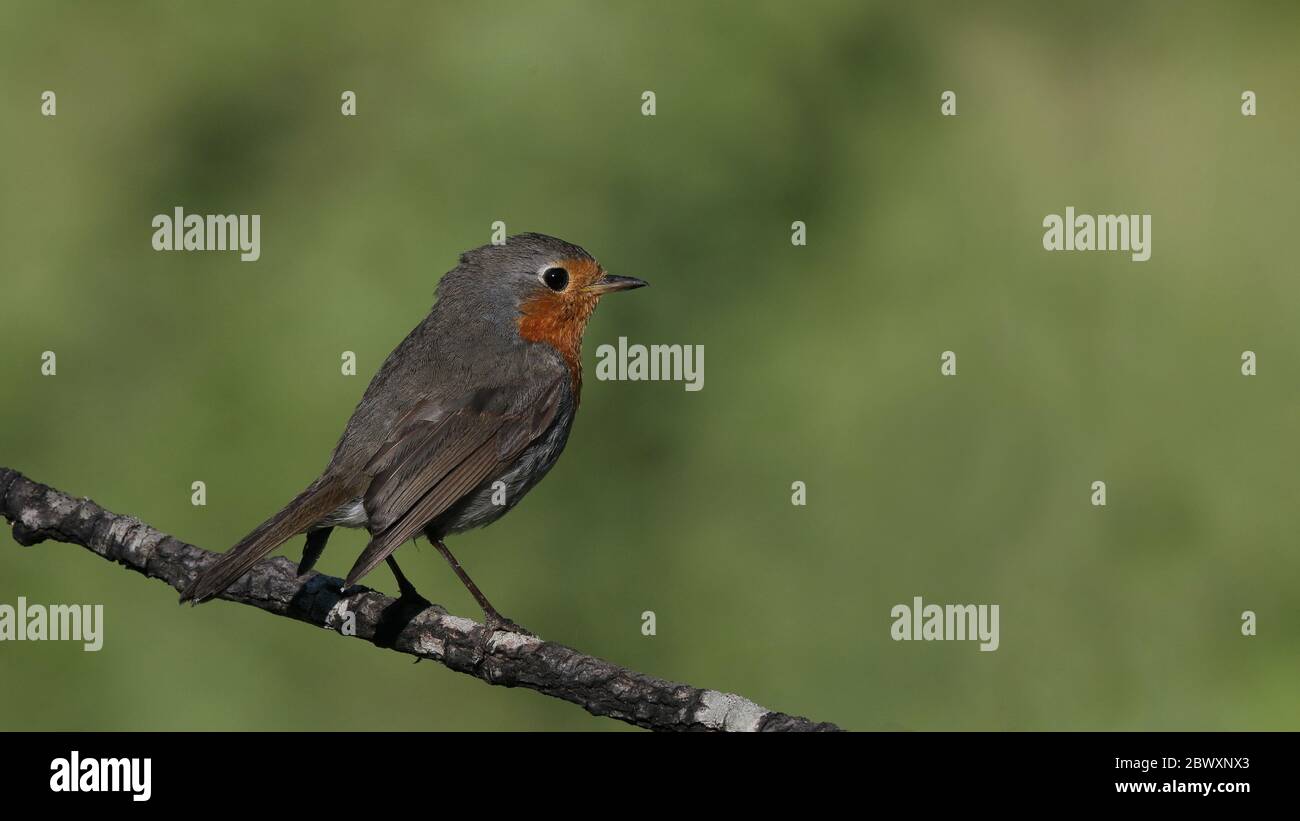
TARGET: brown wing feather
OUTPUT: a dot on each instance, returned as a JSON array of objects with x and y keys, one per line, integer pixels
[
  {"x": 432, "y": 465},
  {"x": 430, "y": 452}
]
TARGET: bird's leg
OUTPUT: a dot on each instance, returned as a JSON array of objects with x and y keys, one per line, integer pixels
[
  {"x": 397, "y": 615},
  {"x": 406, "y": 590},
  {"x": 316, "y": 540},
  {"x": 493, "y": 620}
]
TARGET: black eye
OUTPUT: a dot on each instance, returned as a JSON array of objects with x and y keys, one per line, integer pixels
[{"x": 555, "y": 278}]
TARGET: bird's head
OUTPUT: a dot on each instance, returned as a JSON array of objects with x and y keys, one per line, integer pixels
[{"x": 544, "y": 287}]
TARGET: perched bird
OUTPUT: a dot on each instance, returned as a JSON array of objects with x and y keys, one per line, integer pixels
[{"x": 484, "y": 390}]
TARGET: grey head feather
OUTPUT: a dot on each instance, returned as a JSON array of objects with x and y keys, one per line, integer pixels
[{"x": 500, "y": 277}]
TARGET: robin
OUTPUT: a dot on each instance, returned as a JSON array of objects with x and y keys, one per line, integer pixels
[{"x": 483, "y": 391}]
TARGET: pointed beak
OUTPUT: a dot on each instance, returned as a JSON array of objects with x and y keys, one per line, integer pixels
[{"x": 610, "y": 283}]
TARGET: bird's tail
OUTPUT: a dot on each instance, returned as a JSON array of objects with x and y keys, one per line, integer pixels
[{"x": 309, "y": 507}]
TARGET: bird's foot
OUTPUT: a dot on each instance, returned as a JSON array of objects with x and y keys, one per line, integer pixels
[
  {"x": 399, "y": 614},
  {"x": 411, "y": 599},
  {"x": 494, "y": 622}
]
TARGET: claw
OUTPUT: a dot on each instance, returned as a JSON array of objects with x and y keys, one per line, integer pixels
[{"x": 494, "y": 622}]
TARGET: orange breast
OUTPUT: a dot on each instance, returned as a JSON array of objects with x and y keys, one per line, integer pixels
[{"x": 559, "y": 319}]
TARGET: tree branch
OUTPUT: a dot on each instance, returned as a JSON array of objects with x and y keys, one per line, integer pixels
[{"x": 38, "y": 512}]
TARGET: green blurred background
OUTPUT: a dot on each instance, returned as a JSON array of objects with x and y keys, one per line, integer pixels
[{"x": 822, "y": 362}]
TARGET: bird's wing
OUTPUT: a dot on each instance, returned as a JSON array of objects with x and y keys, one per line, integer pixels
[{"x": 440, "y": 453}]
